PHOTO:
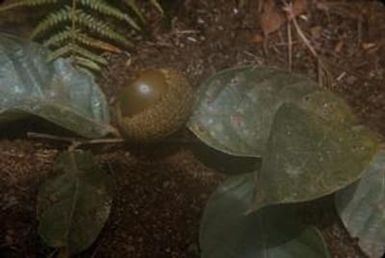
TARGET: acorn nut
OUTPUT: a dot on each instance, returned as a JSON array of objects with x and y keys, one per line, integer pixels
[{"x": 156, "y": 104}]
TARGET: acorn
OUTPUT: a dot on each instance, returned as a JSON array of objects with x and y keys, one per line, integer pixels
[{"x": 155, "y": 105}]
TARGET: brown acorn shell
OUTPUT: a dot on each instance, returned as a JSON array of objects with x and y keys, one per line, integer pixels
[{"x": 163, "y": 118}]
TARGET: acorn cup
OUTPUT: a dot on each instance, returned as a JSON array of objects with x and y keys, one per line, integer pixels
[{"x": 155, "y": 105}]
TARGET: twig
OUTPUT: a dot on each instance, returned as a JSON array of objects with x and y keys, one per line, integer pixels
[
  {"x": 302, "y": 35},
  {"x": 75, "y": 142},
  {"x": 265, "y": 44},
  {"x": 50, "y": 137},
  {"x": 322, "y": 70},
  {"x": 289, "y": 46}
]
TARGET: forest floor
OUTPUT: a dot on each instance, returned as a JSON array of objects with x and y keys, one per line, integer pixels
[{"x": 161, "y": 190}]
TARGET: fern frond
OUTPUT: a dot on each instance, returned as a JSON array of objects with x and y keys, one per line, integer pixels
[
  {"x": 22, "y": 3},
  {"x": 87, "y": 63},
  {"x": 51, "y": 21},
  {"x": 60, "y": 52},
  {"x": 59, "y": 38},
  {"x": 78, "y": 50},
  {"x": 133, "y": 6},
  {"x": 157, "y": 6},
  {"x": 69, "y": 35},
  {"x": 75, "y": 50},
  {"x": 105, "y": 8},
  {"x": 100, "y": 28},
  {"x": 73, "y": 29},
  {"x": 82, "y": 61},
  {"x": 95, "y": 43}
]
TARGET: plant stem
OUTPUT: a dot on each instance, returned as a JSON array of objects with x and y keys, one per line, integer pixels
[
  {"x": 75, "y": 143},
  {"x": 73, "y": 26}
]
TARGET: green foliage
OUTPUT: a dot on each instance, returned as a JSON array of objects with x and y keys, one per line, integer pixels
[
  {"x": 31, "y": 3},
  {"x": 361, "y": 207},
  {"x": 277, "y": 231},
  {"x": 73, "y": 101},
  {"x": 236, "y": 107},
  {"x": 310, "y": 145},
  {"x": 74, "y": 205},
  {"x": 309, "y": 157},
  {"x": 78, "y": 28}
]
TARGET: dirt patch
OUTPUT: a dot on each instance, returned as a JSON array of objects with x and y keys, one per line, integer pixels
[{"x": 160, "y": 191}]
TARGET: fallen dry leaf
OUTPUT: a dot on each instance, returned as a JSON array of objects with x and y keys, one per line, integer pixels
[
  {"x": 322, "y": 6},
  {"x": 299, "y": 7},
  {"x": 273, "y": 17},
  {"x": 368, "y": 45},
  {"x": 258, "y": 38},
  {"x": 338, "y": 46}
]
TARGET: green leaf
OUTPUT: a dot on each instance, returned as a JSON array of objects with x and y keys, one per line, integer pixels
[
  {"x": 236, "y": 107},
  {"x": 329, "y": 107},
  {"x": 224, "y": 163},
  {"x": 55, "y": 91},
  {"x": 308, "y": 157},
  {"x": 228, "y": 232},
  {"x": 361, "y": 207},
  {"x": 74, "y": 205}
]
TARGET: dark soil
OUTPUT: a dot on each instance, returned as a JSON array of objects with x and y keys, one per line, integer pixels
[{"x": 161, "y": 190}]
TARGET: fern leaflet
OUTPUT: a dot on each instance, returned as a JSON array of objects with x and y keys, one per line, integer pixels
[
  {"x": 22, "y": 3},
  {"x": 72, "y": 28}
]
